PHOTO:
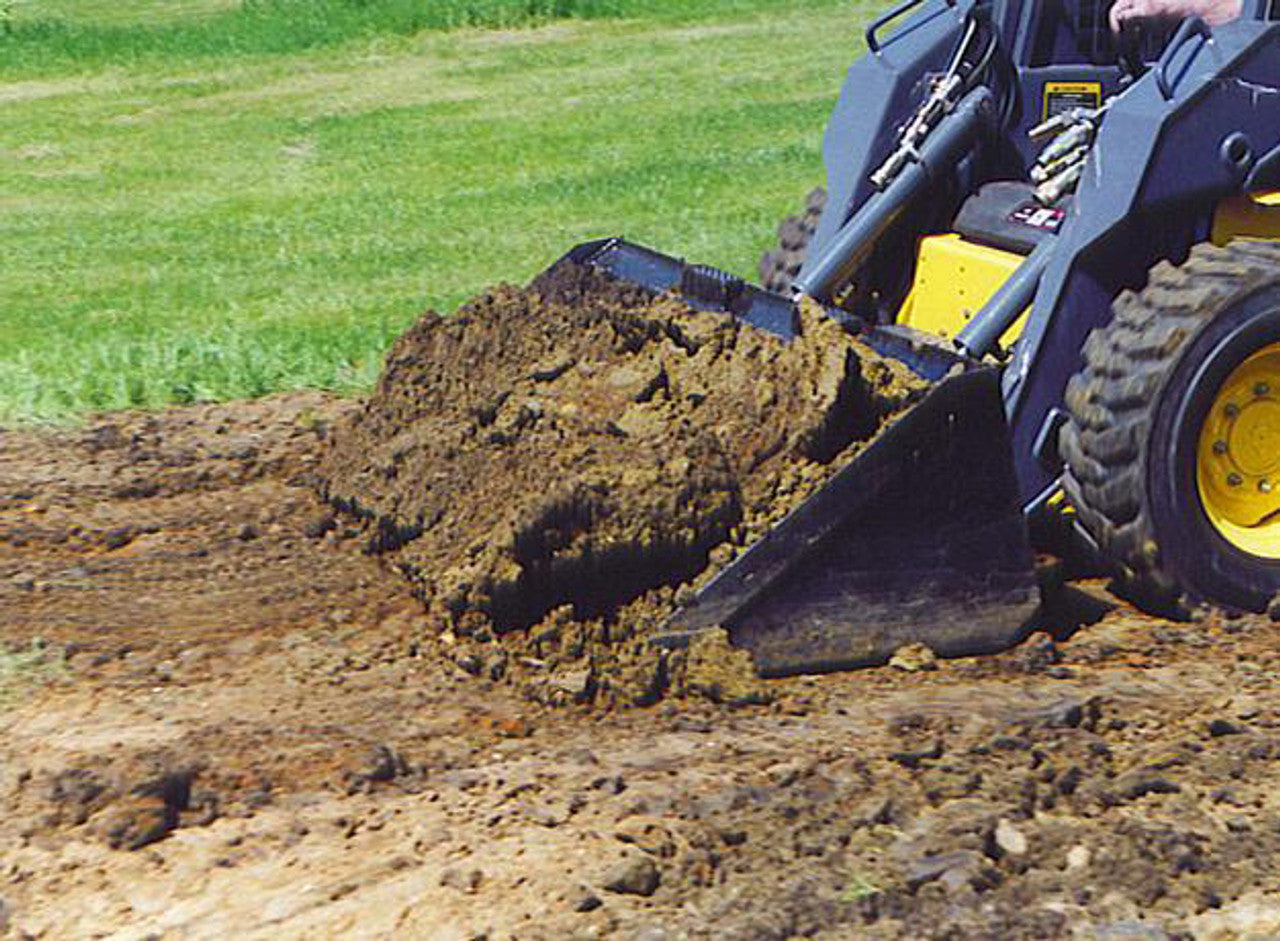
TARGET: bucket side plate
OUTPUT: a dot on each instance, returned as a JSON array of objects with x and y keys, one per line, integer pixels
[{"x": 919, "y": 538}]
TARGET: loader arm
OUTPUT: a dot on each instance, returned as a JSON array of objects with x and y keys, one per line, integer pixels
[{"x": 879, "y": 92}]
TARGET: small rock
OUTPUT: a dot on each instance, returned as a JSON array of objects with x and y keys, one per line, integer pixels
[
  {"x": 385, "y": 764},
  {"x": 136, "y": 823},
  {"x": 1010, "y": 839},
  {"x": 247, "y": 532},
  {"x": 912, "y": 658},
  {"x": 1239, "y": 824},
  {"x": 611, "y": 784},
  {"x": 1273, "y": 609},
  {"x": 1139, "y": 784},
  {"x": 582, "y": 899},
  {"x": 464, "y": 880},
  {"x": 1228, "y": 795},
  {"x": 933, "y": 867},
  {"x": 647, "y": 834},
  {"x": 1037, "y": 653},
  {"x": 913, "y": 759},
  {"x": 785, "y": 773},
  {"x": 1078, "y": 858},
  {"x": 875, "y": 810},
  {"x": 24, "y": 581},
  {"x": 634, "y": 874},
  {"x": 117, "y": 538},
  {"x": 317, "y": 527},
  {"x": 1245, "y": 707},
  {"x": 1221, "y": 727},
  {"x": 649, "y": 933},
  {"x": 1068, "y": 714},
  {"x": 574, "y": 683},
  {"x": 1129, "y": 930},
  {"x": 546, "y": 816},
  {"x": 733, "y": 837}
]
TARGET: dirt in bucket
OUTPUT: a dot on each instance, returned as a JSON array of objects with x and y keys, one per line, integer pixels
[{"x": 555, "y": 466}]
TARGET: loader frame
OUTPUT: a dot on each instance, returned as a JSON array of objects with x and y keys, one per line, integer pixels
[{"x": 893, "y": 550}]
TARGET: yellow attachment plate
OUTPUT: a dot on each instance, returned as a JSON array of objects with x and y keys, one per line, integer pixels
[
  {"x": 1238, "y": 471},
  {"x": 954, "y": 278},
  {"x": 1254, "y": 217}
]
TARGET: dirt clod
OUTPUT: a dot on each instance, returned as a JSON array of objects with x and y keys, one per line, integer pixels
[
  {"x": 582, "y": 899},
  {"x": 634, "y": 874},
  {"x": 914, "y": 657}
]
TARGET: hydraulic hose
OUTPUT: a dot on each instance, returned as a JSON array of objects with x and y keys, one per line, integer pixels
[{"x": 954, "y": 136}]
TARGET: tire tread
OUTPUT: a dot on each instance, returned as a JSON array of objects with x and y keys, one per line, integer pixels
[{"x": 1111, "y": 401}]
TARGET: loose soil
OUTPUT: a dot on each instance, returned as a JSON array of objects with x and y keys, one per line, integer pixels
[
  {"x": 237, "y": 722},
  {"x": 563, "y": 460}
]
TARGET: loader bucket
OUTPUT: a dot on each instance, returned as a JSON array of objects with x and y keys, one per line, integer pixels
[{"x": 919, "y": 538}]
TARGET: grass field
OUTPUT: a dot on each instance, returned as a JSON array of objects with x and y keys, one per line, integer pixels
[{"x": 190, "y": 223}]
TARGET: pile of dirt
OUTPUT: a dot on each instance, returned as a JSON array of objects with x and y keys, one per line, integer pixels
[{"x": 556, "y": 463}]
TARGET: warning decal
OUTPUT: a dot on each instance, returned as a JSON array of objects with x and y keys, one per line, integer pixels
[
  {"x": 1063, "y": 96},
  {"x": 1045, "y": 218}
]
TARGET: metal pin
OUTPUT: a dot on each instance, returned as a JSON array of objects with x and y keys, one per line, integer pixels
[
  {"x": 1050, "y": 191},
  {"x": 1234, "y": 480},
  {"x": 1079, "y": 136},
  {"x": 1261, "y": 389},
  {"x": 1232, "y": 410},
  {"x": 1219, "y": 447}
]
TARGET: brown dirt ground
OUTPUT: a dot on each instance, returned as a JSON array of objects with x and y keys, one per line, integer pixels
[{"x": 236, "y": 723}]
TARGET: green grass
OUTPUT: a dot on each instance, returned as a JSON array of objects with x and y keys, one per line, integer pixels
[
  {"x": 50, "y": 36},
  {"x": 114, "y": 12},
  {"x": 196, "y": 226}
]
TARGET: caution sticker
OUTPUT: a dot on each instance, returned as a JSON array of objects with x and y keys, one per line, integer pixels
[{"x": 1063, "y": 96}]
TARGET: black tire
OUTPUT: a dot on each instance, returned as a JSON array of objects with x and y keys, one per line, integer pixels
[
  {"x": 779, "y": 266},
  {"x": 1136, "y": 413}
]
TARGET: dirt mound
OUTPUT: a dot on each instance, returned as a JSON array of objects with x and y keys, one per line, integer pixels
[{"x": 562, "y": 458}]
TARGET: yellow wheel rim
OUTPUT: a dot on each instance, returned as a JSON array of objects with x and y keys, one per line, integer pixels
[{"x": 1238, "y": 458}]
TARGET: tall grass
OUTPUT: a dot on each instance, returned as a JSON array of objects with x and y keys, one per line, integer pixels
[
  {"x": 205, "y": 227},
  {"x": 36, "y": 43}
]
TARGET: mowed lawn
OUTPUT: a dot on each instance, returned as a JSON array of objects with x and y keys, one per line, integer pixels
[{"x": 209, "y": 226}]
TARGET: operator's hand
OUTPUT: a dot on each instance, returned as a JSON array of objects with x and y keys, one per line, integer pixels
[{"x": 1213, "y": 12}]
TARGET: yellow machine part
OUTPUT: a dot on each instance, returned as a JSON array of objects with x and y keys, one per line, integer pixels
[
  {"x": 1247, "y": 217},
  {"x": 954, "y": 279},
  {"x": 1238, "y": 456}
]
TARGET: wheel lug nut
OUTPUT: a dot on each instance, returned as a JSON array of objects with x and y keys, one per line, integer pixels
[
  {"x": 1219, "y": 447},
  {"x": 1234, "y": 480},
  {"x": 1264, "y": 485},
  {"x": 1261, "y": 389},
  {"x": 1232, "y": 410}
]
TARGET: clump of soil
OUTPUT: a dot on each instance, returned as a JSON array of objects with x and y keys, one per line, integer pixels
[{"x": 558, "y": 460}]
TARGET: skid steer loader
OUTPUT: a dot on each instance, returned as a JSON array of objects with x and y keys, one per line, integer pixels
[{"x": 1067, "y": 231}]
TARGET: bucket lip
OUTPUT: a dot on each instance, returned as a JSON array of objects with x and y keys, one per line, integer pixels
[{"x": 710, "y": 289}]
